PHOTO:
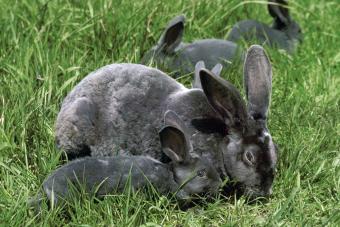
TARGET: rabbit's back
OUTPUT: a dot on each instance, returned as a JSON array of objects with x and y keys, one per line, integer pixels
[
  {"x": 127, "y": 80},
  {"x": 211, "y": 51},
  {"x": 107, "y": 174},
  {"x": 260, "y": 33},
  {"x": 118, "y": 107}
]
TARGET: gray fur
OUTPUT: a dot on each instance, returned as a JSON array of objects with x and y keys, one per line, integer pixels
[
  {"x": 258, "y": 82},
  {"x": 104, "y": 176},
  {"x": 225, "y": 99},
  {"x": 172, "y": 55},
  {"x": 129, "y": 104},
  {"x": 176, "y": 144},
  {"x": 172, "y": 119},
  {"x": 285, "y": 33},
  {"x": 258, "y": 154}
]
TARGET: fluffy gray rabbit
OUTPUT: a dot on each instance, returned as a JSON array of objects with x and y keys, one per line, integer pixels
[
  {"x": 120, "y": 107},
  {"x": 172, "y": 55},
  {"x": 185, "y": 175},
  {"x": 285, "y": 33}
]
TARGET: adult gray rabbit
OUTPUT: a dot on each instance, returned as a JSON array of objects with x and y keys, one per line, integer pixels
[
  {"x": 120, "y": 107},
  {"x": 185, "y": 175},
  {"x": 285, "y": 33},
  {"x": 172, "y": 55}
]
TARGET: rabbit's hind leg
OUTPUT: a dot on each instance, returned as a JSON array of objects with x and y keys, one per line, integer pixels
[{"x": 75, "y": 128}]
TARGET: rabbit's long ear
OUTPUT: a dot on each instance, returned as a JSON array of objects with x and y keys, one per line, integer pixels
[
  {"x": 257, "y": 81},
  {"x": 172, "y": 119},
  {"x": 172, "y": 36},
  {"x": 277, "y": 9},
  {"x": 217, "y": 69},
  {"x": 224, "y": 98},
  {"x": 175, "y": 144},
  {"x": 197, "y": 81}
]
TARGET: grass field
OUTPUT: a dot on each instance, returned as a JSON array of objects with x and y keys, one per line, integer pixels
[{"x": 46, "y": 47}]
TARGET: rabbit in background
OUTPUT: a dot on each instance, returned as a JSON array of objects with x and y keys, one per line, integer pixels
[
  {"x": 185, "y": 175},
  {"x": 216, "y": 70},
  {"x": 284, "y": 33},
  {"x": 119, "y": 109},
  {"x": 172, "y": 55}
]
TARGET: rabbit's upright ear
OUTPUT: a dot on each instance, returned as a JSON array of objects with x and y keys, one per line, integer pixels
[
  {"x": 258, "y": 82},
  {"x": 172, "y": 119},
  {"x": 175, "y": 144},
  {"x": 172, "y": 36},
  {"x": 224, "y": 98},
  {"x": 197, "y": 81},
  {"x": 277, "y": 9},
  {"x": 217, "y": 69}
]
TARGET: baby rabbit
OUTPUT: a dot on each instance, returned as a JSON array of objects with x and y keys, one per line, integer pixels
[
  {"x": 284, "y": 33},
  {"x": 172, "y": 55},
  {"x": 185, "y": 175}
]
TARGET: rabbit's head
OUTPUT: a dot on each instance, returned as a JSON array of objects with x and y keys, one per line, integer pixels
[
  {"x": 282, "y": 20},
  {"x": 249, "y": 153},
  {"x": 164, "y": 52},
  {"x": 194, "y": 174}
]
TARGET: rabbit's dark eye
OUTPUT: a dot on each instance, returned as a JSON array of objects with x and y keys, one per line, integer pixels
[
  {"x": 201, "y": 173},
  {"x": 249, "y": 158}
]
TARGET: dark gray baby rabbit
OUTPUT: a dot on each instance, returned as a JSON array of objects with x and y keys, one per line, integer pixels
[
  {"x": 185, "y": 175},
  {"x": 172, "y": 55},
  {"x": 119, "y": 109},
  {"x": 284, "y": 33}
]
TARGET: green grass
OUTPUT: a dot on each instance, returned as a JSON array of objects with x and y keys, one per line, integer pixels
[{"x": 46, "y": 47}]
